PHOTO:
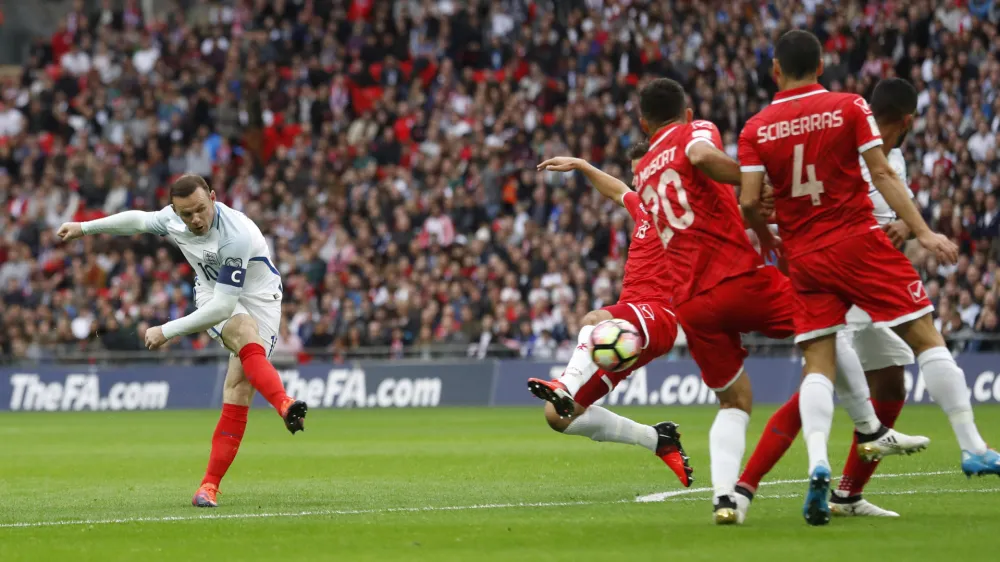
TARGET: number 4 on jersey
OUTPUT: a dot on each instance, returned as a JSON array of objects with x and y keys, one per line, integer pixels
[{"x": 813, "y": 187}]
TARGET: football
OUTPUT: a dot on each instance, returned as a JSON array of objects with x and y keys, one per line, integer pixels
[{"x": 615, "y": 345}]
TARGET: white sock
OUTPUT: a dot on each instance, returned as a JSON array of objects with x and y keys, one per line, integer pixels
[
  {"x": 852, "y": 386},
  {"x": 726, "y": 442},
  {"x": 604, "y": 425},
  {"x": 816, "y": 409},
  {"x": 946, "y": 385},
  {"x": 581, "y": 364}
]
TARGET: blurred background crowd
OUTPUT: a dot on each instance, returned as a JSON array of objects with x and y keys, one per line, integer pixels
[{"x": 387, "y": 149}]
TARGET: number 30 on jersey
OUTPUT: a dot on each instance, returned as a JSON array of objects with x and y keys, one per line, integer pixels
[{"x": 654, "y": 199}]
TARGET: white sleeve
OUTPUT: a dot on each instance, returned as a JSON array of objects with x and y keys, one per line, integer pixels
[
  {"x": 216, "y": 310},
  {"x": 130, "y": 222}
]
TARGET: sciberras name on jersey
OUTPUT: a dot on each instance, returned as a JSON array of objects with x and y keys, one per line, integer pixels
[{"x": 794, "y": 127}]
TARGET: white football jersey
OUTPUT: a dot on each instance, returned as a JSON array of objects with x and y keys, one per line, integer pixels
[
  {"x": 233, "y": 253},
  {"x": 883, "y": 212}
]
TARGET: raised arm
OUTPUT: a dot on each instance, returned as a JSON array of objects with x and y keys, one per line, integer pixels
[
  {"x": 892, "y": 189},
  {"x": 606, "y": 184},
  {"x": 125, "y": 223}
]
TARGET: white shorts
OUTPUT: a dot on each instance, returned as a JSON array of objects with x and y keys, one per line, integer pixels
[
  {"x": 264, "y": 309},
  {"x": 877, "y": 348}
]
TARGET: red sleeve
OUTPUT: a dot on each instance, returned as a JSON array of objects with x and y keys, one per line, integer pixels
[
  {"x": 634, "y": 206},
  {"x": 701, "y": 131},
  {"x": 859, "y": 116},
  {"x": 747, "y": 152}
]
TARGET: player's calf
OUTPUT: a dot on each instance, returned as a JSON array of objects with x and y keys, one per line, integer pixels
[{"x": 241, "y": 333}]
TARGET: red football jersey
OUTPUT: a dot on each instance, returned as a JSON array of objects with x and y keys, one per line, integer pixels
[
  {"x": 808, "y": 141},
  {"x": 698, "y": 220},
  {"x": 645, "y": 277}
]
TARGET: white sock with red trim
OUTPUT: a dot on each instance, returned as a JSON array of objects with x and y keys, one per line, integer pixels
[
  {"x": 600, "y": 424},
  {"x": 581, "y": 364},
  {"x": 816, "y": 410}
]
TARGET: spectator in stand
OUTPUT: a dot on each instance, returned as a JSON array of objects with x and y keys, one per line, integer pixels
[{"x": 387, "y": 150}]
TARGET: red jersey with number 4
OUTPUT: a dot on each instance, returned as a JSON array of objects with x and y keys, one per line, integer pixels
[
  {"x": 698, "y": 221},
  {"x": 645, "y": 277},
  {"x": 807, "y": 141}
]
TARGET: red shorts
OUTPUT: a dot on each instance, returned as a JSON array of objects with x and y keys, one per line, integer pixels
[
  {"x": 658, "y": 326},
  {"x": 866, "y": 271},
  {"x": 714, "y": 321}
]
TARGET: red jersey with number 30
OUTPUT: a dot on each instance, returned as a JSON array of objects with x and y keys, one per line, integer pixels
[
  {"x": 808, "y": 141},
  {"x": 645, "y": 278},
  {"x": 698, "y": 220}
]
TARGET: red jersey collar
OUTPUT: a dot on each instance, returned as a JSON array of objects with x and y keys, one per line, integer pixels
[
  {"x": 661, "y": 134},
  {"x": 796, "y": 93}
]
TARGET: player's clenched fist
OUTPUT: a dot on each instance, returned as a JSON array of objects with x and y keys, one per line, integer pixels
[
  {"x": 70, "y": 231},
  {"x": 155, "y": 337},
  {"x": 945, "y": 250},
  {"x": 562, "y": 164}
]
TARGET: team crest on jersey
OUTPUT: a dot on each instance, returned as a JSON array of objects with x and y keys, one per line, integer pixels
[
  {"x": 211, "y": 258},
  {"x": 860, "y": 102}
]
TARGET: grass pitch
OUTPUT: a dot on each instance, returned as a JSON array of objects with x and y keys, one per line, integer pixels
[{"x": 449, "y": 484}]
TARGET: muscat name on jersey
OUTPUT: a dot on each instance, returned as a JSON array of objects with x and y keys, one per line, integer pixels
[
  {"x": 233, "y": 252},
  {"x": 698, "y": 220}
]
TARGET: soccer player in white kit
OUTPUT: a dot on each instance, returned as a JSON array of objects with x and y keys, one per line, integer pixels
[{"x": 238, "y": 299}]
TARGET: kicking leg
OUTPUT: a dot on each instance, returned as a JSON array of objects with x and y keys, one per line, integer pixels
[
  {"x": 603, "y": 425},
  {"x": 946, "y": 385},
  {"x": 237, "y": 395},
  {"x": 241, "y": 335},
  {"x": 562, "y": 392}
]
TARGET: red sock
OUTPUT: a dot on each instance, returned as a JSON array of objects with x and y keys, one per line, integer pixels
[
  {"x": 778, "y": 436},
  {"x": 857, "y": 473},
  {"x": 262, "y": 375},
  {"x": 225, "y": 442}
]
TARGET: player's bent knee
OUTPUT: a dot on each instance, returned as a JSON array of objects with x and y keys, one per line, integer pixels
[
  {"x": 241, "y": 330},
  {"x": 738, "y": 396},
  {"x": 558, "y": 423},
  {"x": 595, "y": 317},
  {"x": 920, "y": 334}
]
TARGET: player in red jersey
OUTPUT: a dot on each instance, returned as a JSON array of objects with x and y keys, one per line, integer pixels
[
  {"x": 720, "y": 287},
  {"x": 807, "y": 142},
  {"x": 570, "y": 399}
]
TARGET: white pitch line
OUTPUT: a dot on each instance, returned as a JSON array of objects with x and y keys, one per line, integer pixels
[
  {"x": 675, "y": 495},
  {"x": 662, "y": 496}
]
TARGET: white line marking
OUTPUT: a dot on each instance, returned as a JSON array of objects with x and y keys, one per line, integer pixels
[
  {"x": 662, "y": 496},
  {"x": 675, "y": 495}
]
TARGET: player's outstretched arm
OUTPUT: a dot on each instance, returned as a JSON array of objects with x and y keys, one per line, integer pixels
[
  {"x": 124, "y": 223},
  {"x": 714, "y": 163},
  {"x": 606, "y": 184},
  {"x": 894, "y": 192}
]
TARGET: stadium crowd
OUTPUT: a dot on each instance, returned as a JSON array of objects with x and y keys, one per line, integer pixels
[{"x": 388, "y": 151}]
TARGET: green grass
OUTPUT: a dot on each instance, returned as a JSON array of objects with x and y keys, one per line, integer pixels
[{"x": 353, "y": 467}]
